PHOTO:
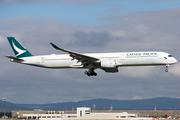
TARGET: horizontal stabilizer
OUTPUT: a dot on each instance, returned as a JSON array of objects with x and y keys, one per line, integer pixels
[{"x": 14, "y": 58}]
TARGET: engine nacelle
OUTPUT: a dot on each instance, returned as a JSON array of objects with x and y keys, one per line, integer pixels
[
  {"x": 108, "y": 64},
  {"x": 111, "y": 70}
]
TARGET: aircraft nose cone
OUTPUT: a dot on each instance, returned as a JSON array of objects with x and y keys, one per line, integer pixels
[{"x": 175, "y": 61}]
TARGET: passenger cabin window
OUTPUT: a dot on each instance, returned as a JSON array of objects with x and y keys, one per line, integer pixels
[{"x": 169, "y": 55}]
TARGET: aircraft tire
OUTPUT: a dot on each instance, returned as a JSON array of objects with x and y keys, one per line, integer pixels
[{"x": 90, "y": 73}]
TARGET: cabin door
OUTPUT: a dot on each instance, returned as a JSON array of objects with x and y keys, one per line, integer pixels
[
  {"x": 122, "y": 56},
  {"x": 39, "y": 60}
]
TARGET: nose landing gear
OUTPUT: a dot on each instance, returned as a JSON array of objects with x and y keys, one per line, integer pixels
[
  {"x": 90, "y": 72},
  {"x": 166, "y": 68}
]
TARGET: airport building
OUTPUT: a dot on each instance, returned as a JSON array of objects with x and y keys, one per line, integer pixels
[{"x": 84, "y": 113}]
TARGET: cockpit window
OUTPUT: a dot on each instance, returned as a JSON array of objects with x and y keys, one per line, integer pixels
[{"x": 169, "y": 55}]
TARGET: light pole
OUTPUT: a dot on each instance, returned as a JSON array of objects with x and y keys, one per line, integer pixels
[
  {"x": 111, "y": 107},
  {"x": 4, "y": 99},
  {"x": 175, "y": 111},
  {"x": 94, "y": 106}
]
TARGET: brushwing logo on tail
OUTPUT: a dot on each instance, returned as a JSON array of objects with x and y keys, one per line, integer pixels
[{"x": 18, "y": 50}]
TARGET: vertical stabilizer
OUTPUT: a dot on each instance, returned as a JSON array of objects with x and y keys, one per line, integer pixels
[{"x": 18, "y": 49}]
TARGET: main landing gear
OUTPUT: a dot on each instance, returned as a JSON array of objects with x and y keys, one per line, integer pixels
[
  {"x": 90, "y": 72},
  {"x": 167, "y": 68}
]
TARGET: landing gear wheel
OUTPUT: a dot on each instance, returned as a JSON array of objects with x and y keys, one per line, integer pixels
[
  {"x": 95, "y": 74},
  {"x": 166, "y": 68},
  {"x": 90, "y": 73}
]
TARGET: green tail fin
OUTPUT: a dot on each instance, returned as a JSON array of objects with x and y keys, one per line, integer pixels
[{"x": 18, "y": 49}]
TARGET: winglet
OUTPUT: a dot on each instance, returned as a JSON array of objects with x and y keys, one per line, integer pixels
[{"x": 56, "y": 47}]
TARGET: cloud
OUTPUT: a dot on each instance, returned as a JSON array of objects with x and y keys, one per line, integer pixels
[
  {"x": 119, "y": 34},
  {"x": 136, "y": 97},
  {"x": 175, "y": 69},
  {"x": 91, "y": 39},
  {"x": 2, "y": 39},
  {"x": 138, "y": 72}
]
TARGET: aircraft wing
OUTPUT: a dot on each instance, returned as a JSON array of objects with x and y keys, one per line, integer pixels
[{"x": 80, "y": 57}]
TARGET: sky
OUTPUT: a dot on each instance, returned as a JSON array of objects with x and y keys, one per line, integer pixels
[{"x": 89, "y": 26}]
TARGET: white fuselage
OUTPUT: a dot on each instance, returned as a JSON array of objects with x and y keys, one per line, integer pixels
[{"x": 149, "y": 58}]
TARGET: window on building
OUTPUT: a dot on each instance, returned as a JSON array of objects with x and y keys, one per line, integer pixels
[
  {"x": 87, "y": 110},
  {"x": 80, "y": 113},
  {"x": 34, "y": 117}
]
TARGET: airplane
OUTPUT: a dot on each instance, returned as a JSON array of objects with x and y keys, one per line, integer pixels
[{"x": 109, "y": 62}]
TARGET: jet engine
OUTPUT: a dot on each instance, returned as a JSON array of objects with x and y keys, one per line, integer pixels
[
  {"x": 108, "y": 64},
  {"x": 111, "y": 70}
]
